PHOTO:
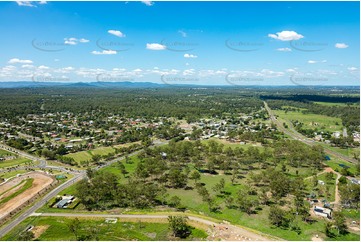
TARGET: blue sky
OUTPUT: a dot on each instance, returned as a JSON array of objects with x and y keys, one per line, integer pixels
[{"x": 223, "y": 43}]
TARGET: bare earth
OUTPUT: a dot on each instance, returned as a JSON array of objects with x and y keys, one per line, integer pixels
[
  {"x": 11, "y": 191},
  {"x": 40, "y": 182},
  {"x": 39, "y": 230}
]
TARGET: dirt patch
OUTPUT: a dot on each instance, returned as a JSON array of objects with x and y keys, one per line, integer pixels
[
  {"x": 41, "y": 181},
  {"x": 316, "y": 238},
  {"x": 12, "y": 191},
  {"x": 39, "y": 230},
  {"x": 233, "y": 233}
]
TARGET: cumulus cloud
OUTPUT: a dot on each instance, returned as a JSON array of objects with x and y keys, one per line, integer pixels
[
  {"x": 25, "y": 3},
  {"x": 341, "y": 45},
  {"x": 82, "y": 40},
  {"x": 314, "y": 62},
  {"x": 284, "y": 49},
  {"x": 104, "y": 52},
  {"x": 116, "y": 33},
  {"x": 286, "y": 35},
  {"x": 352, "y": 68},
  {"x": 148, "y": 3},
  {"x": 155, "y": 46},
  {"x": 16, "y": 60},
  {"x": 190, "y": 56},
  {"x": 74, "y": 41},
  {"x": 30, "y": 3},
  {"x": 42, "y": 67}
]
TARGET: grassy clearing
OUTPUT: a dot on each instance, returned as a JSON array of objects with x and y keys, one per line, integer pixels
[
  {"x": 5, "y": 152},
  {"x": 334, "y": 164},
  {"x": 347, "y": 152},
  {"x": 193, "y": 201},
  {"x": 9, "y": 174},
  {"x": 321, "y": 190},
  {"x": 27, "y": 185},
  {"x": 14, "y": 162},
  {"x": 82, "y": 156},
  {"x": 58, "y": 230},
  {"x": 337, "y": 104},
  {"x": 233, "y": 145},
  {"x": 312, "y": 121}
]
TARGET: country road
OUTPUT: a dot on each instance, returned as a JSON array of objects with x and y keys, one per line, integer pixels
[
  {"x": 8, "y": 227},
  {"x": 78, "y": 176},
  {"x": 297, "y": 136},
  {"x": 250, "y": 235}
]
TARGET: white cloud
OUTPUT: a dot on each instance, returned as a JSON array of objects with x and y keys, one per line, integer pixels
[
  {"x": 25, "y": 3},
  {"x": 286, "y": 35},
  {"x": 74, "y": 41},
  {"x": 30, "y": 3},
  {"x": 314, "y": 62},
  {"x": 27, "y": 66},
  {"x": 155, "y": 46},
  {"x": 70, "y": 41},
  {"x": 190, "y": 56},
  {"x": 82, "y": 40},
  {"x": 43, "y": 67},
  {"x": 104, "y": 52},
  {"x": 148, "y": 3},
  {"x": 184, "y": 34},
  {"x": 352, "y": 68},
  {"x": 116, "y": 33},
  {"x": 56, "y": 60},
  {"x": 284, "y": 49},
  {"x": 341, "y": 45},
  {"x": 16, "y": 60}
]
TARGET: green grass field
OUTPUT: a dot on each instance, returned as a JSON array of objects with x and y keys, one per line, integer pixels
[
  {"x": 9, "y": 174},
  {"x": 82, "y": 156},
  {"x": 320, "y": 190},
  {"x": 14, "y": 162},
  {"x": 5, "y": 152},
  {"x": 337, "y": 104},
  {"x": 334, "y": 164},
  {"x": 312, "y": 121},
  {"x": 57, "y": 229},
  {"x": 193, "y": 201}
]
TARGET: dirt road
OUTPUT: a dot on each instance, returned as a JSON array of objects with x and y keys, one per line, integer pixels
[{"x": 217, "y": 231}]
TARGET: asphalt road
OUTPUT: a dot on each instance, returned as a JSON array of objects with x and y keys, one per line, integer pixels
[
  {"x": 78, "y": 176},
  {"x": 297, "y": 136},
  {"x": 8, "y": 227}
]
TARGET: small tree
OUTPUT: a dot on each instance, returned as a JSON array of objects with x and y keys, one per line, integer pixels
[
  {"x": 26, "y": 236},
  {"x": 74, "y": 226},
  {"x": 175, "y": 201},
  {"x": 195, "y": 176},
  {"x": 179, "y": 226},
  {"x": 340, "y": 222},
  {"x": 278, "y": 217}
]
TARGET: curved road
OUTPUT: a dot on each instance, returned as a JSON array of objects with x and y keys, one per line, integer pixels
[
  {"x": 295, "y": 135},
  {"x": 78, "y": 176}
]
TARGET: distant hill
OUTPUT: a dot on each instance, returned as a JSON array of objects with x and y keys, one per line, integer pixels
[{"x": 28, "y": 84}]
